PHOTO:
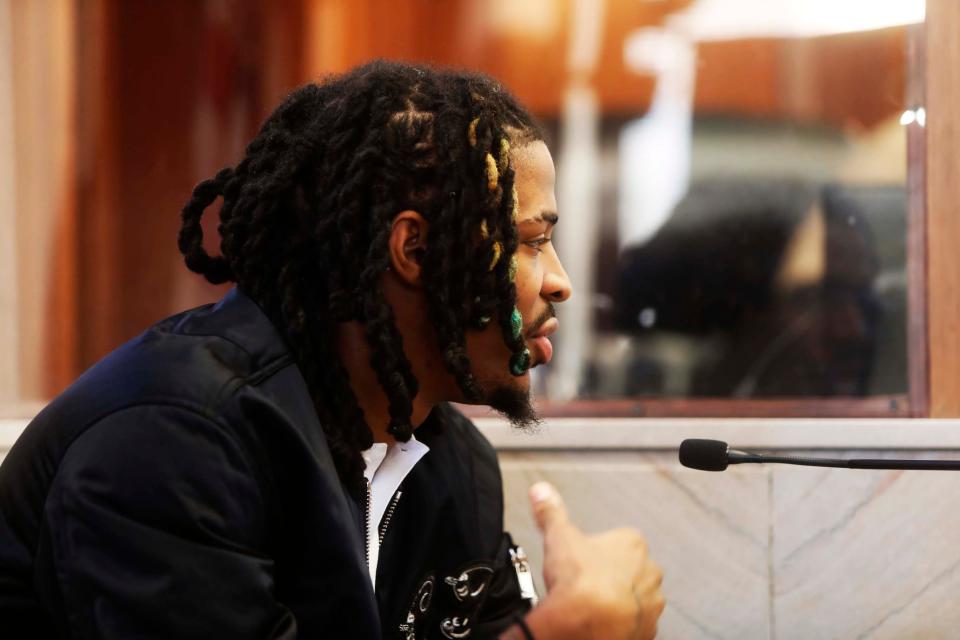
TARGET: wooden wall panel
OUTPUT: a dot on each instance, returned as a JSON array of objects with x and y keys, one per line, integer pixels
[
  {"x": 98, "y": 112},
  {"x": 853, "y": 80},
  {"x": 44, "y": 92},
  {"x": 742, "y": 77},
  {"x": 158, "y": 86},
  {"x": 9, "y": 289},
  {"x": 168, "y": 93},
  {"x": 810, "y": 79},
  {"x": 943, "y": 205}
]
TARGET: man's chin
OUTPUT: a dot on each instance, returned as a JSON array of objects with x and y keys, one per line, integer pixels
[{"x": 515, "y": 404}]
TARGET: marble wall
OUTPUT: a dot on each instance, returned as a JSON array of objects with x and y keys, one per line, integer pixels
[{"x": 773, "y": 551}]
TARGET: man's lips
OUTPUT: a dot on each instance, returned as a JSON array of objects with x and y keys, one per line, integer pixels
[{"x": 540, "y": 340}]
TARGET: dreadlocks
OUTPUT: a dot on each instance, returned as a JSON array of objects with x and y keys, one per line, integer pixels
[{"x": 306, "y": 218}]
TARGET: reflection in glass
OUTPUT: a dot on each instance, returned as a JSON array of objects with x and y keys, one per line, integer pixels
[{"x": 747, "y": 234}]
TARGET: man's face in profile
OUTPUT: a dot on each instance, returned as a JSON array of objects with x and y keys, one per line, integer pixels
[{"x": 541, "y": 281}]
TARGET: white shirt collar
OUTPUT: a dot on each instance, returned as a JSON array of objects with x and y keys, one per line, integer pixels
[{"x": 387, "y": 467}]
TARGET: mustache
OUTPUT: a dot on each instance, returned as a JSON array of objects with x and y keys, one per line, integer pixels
[{"x": 547, "y": 313}]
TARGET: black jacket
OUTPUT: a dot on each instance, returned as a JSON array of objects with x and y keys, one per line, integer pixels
[{"x": 182, "y": 487}]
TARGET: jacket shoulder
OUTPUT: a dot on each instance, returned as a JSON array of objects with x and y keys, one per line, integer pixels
[{"x": 195, "y": 359}]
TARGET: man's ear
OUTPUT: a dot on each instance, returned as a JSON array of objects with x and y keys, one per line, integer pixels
[{"x": 407, "y": 246}]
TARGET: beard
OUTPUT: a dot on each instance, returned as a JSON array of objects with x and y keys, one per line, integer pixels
[{"x": 516, "y": 405}]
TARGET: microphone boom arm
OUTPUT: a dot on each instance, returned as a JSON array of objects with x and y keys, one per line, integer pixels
[{"x": 715, "y": 455}]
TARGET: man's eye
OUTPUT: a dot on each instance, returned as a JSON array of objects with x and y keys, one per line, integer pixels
[{"x": 536, "y": 244}]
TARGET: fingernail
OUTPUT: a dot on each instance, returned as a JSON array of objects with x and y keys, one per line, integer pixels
[{"x": 541, "y": 492}]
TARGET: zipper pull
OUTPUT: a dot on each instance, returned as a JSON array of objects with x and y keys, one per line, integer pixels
[{"x": 524, "y": 577}]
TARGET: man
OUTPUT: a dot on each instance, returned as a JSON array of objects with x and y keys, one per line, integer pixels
[{"x": 283, "y": 464}]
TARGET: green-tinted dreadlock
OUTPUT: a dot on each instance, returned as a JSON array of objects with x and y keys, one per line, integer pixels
[{"x": 307, "y": 214}]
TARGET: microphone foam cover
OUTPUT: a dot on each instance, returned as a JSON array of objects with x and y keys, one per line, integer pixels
[{"x": 706, "y": 455}]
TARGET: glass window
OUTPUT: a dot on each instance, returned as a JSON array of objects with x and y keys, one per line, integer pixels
[{"x": 744, "y": 235}]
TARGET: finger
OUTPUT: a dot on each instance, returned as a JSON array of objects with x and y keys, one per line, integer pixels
[
  {"x": 648, "y": 582},
  {"x": 649, "y": 612},
  {"x": 547, "y": 505},
  {"x": 653, "y": 574}
]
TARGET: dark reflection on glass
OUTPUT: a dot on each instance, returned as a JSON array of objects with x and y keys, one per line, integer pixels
[{"x": 767, "y": 289}]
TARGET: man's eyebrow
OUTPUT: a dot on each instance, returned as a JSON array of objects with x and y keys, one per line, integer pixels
[{"x": 544, "y": 216}]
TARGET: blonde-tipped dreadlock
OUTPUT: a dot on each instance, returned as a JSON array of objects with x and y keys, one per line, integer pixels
[
  {"x": 504, "y": 154},
  {"x": 472, "y": 132},
  {"x": 493, "y": 173}
]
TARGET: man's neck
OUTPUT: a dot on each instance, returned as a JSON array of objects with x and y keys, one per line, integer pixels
[{"x": 355, "y": 355}]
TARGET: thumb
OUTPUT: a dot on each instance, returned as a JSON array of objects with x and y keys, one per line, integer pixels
[{"x": 547, "y": 505}]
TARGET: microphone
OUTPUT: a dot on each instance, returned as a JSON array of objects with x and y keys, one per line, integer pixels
[{"x": 714, "y": 455}]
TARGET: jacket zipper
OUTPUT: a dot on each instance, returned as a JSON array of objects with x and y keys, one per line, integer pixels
[
  {"x": 389, "y": 515},
  {"x": 366, "y": 527}
]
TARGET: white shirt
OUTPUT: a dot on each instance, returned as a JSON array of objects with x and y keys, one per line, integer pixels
[{"x": 387, "y": 466}]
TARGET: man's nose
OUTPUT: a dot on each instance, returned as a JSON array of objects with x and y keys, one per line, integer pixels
[{"x": 556, "y": 283}]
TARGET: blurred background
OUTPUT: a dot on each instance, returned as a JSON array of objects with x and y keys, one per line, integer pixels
[{"x": 732, "y": 174}]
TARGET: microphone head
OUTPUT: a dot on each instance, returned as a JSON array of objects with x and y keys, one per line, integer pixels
[{"x": 706, "y": 455}]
